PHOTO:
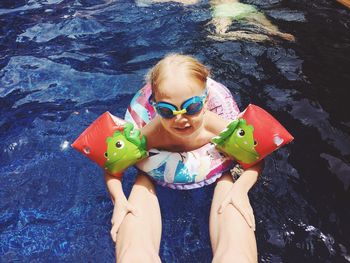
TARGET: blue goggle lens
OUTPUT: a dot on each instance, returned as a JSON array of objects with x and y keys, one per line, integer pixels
[
  {"x": 194, "y": 108},
  {"x": 165, "y": 112}
]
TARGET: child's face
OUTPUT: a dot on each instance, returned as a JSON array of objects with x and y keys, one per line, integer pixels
[{"x": 176, "y": 90}]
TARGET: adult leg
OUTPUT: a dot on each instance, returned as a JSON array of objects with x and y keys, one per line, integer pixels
[
  {"x": 231, "y": 238},
  {"x": 138, "y": 238},
  {"x": 221, "y": 31},
  {"x": 221, "y": 24},
  {"x": 262, "y": 22}
]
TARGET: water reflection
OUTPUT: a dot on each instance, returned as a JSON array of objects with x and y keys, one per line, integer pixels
[{"x": 62, "y": 63}]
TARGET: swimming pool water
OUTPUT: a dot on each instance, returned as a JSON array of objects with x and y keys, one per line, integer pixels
[{"x": 64, "y": 62}]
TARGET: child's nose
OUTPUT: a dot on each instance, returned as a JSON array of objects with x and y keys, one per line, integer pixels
[{"x": 181, "y": 118}]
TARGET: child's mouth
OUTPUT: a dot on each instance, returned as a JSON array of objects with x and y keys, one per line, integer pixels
[{"x": 182, "y": 129}]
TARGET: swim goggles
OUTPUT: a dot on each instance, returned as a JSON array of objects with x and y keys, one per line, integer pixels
[{"x": 190, "y": 107}]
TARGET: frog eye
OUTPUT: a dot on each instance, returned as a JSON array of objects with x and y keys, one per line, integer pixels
[
  {"x": 119, "y": 144},
  {"x": 240, "y": 133}
]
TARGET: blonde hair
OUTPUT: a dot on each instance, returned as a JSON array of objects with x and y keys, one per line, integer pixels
[{"x": 191, "y": 66}]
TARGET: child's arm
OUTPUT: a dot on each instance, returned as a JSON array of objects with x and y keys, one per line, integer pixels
[
  {"x": 153, "y": 132},
  {"x": 121, "y": 205},
  {"x": 215, "y": 123},
  {"x": 115, "y": 189},
  {"x": 249, "y": 176},
  {"x": 238, "y": 196}
]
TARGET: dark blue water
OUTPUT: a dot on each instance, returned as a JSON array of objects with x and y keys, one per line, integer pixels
[{"x": 63, "y": 63}]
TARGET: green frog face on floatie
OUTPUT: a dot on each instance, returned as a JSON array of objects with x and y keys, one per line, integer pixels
[
  {"x": 237, "y": 140},
  {"x": 124, "y": 149}
]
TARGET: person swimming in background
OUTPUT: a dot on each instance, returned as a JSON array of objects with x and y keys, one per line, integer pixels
[
  {"x": 256, "y": 26},
  {"x": 251, "y": 24},
  {"x": 136, "y": 222}
]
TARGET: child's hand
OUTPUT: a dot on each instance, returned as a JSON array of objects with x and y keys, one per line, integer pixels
[
  {"x": 121, "y": 209},
  {"x": 238, "y": 197}
]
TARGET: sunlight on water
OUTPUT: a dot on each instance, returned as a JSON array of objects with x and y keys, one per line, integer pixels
[{"x": 63, "y": 63}]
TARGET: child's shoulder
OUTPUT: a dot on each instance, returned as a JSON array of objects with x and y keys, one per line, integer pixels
[
  {"x": 152, "y": 132},
  {"x": 215, "y": 123}
]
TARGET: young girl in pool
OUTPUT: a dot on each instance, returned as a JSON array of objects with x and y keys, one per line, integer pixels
[{"x": 136, "y": 222}]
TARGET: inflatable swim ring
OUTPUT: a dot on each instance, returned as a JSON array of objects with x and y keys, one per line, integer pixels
[{"x": 184, "y": 170}]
